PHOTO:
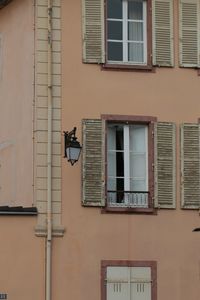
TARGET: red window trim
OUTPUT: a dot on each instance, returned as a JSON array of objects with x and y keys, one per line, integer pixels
[
  {"x": 129, "y": 263},
  {"x": 128, "y": 119},
  {"x": 149, "y": 66}
]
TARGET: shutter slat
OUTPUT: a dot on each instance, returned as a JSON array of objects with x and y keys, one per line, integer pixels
[
  {"x": 93, "y": 164},
  {"x": 93, "y": 31},
  {"x": 189, "y": 20},
  {"x": 190, "y": 174},
  {"x": 165, "y": 165},
  {"x": 163, "y": 33}
]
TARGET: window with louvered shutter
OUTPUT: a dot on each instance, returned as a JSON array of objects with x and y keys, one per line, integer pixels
[
  {"x": 165, "y": 165},
  {"x": 128, "y": 42},
  {"x": 136, "y": 171},
  {"x": 190, "y": 173},
  {"x": 189, "y": 18},
  {"x": 163, "y": 46}
]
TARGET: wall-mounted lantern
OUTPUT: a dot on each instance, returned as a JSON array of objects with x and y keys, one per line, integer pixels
[{"x": 72, "y": 146}]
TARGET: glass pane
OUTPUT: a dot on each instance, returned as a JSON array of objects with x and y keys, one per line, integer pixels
[
  {"x": 111, "y": 138},
  {"x": 138, "y": 138},
  {"x": 114, "y": 51},
  {"x": 111, "y": 184},
  {"x": 138, "y": 165},
  {"x": 119, "y": 138},
  {"x": 138, "y": 185},
  {"x": 112, "y": 164},
  {"x": 135, "y": 10},
  {"x": 136, "y": 52},
  {"x": 114, "y": 8},
  {"x": 114, "y": 30},
  {"x": 120, "y": 164},
  {"x": 135, "y": 31}
]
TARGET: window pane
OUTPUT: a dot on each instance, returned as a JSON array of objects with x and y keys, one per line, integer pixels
[
  {"x": 138, "y": 165},
  {"x": 114, "y": 8},
  {"x": 136, "y": 52},
  {"x": 119, "y": 138},
  {"x": 138, "y": 138},
  {"x": 135, "y": 10},
  {"x": 112, "y": 164},
  {"x": 135, "y": 31},
  {"x": 115, "y": 30},
  {"x": 138, "y": 185},
  {"x": 111, "y": 184},
  {"x": 115, "y": 51}
]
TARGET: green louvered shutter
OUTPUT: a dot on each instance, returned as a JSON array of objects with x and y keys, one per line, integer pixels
[
  {"x": 93, "y": 162},
  {"x": 93, "y": 31},
  {"x": 190, "y": 175},
  {"x": 163, "y": 46},
  {"x": 189, "y": 37},
  {"x": 165, "y": 165}
]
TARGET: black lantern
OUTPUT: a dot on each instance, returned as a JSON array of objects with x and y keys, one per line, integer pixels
[{"x": 72, "y": 146}]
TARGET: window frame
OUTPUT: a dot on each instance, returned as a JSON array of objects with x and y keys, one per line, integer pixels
[
  {"x": 129, "y": 65},
  {"x": 129, "y": 263},
  {"x": 126, "y": 119}
]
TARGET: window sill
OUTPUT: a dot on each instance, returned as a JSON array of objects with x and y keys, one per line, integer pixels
[
  {"x": 128, "y": 210},
  {"x": 128, "y": 67}
]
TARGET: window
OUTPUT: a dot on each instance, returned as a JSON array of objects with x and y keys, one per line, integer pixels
[
  {"x": 128, "y": 164},
  {"x": 129, "y": 280},
  {"x": 127, "y": 31}
]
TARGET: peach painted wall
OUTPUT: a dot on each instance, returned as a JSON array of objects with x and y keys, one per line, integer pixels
[
  {"x": 21, "y": 253},
  {"x": 16, "y": 102},
  {"x": 171, "y": 94}
]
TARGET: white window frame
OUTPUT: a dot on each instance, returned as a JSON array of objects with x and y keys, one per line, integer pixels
[
  {"x": 125, "y": 40},
  {"x": 127, "y": 170}
]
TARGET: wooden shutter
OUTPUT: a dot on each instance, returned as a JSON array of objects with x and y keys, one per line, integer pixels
[
  {"x": 189, "y": 36},
  {"x": 190, "y": 175},
  {"x": 93, "y": 31},
  {"x": 141, "y": 283},
  {"x": 165, "y": 165},
  {"x": 93, "y": 181},
  {"x": 128, "y": 283},
  {"x": 117, "y": 283},
  {"x": 163, "y": 48}
]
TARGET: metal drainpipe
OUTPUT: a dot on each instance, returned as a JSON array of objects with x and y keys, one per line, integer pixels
[{"x": 49, "y": 160}]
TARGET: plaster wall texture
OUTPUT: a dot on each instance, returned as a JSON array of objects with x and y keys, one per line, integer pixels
[
  {"x": 22, "y": 254},
  {"x": 16, "y": 102},
  {"x": 170, "y": 94}
]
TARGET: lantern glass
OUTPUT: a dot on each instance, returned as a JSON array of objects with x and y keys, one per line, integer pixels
[{"x": 73, "y": 154}]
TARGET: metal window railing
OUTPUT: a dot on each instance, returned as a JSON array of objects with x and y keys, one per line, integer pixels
[{"x": 131, "y": 199}]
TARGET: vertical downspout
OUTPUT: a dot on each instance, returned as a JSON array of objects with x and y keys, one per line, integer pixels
[{"x": 49, "y": 160}]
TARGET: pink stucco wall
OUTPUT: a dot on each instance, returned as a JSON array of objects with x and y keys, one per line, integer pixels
[
  {"x": 22, "y": 254},
  {"x": 87, "y": 92},
  {"x": 16, "y": 102},
  {"x": 170, "y": 94}
]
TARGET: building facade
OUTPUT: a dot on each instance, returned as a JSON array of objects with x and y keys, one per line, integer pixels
[{"x": 118, "y": 224}]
